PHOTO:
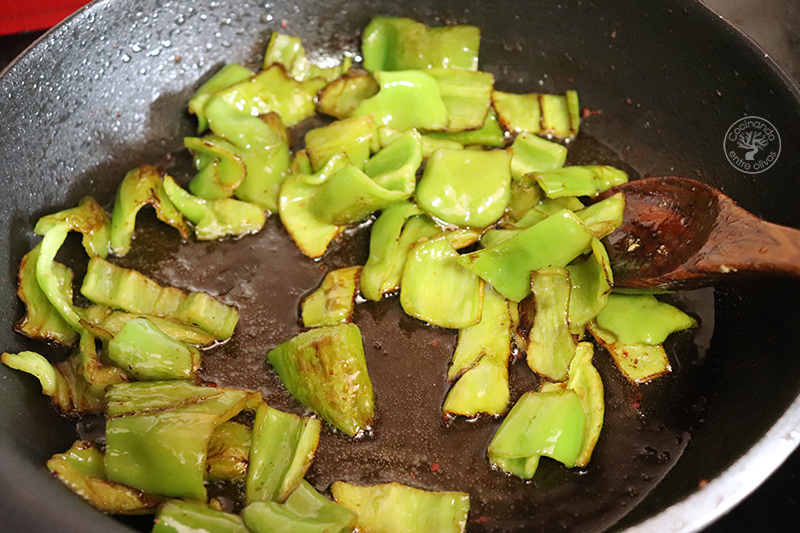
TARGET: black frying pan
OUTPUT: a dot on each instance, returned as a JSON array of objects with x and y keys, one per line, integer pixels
[{"x": 107, "y": 91}]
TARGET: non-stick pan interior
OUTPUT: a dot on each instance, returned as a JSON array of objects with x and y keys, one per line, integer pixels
[{"x": 664, "y": 80}]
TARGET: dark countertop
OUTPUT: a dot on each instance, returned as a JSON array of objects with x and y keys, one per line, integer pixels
[{"x": 775, "y": 25}]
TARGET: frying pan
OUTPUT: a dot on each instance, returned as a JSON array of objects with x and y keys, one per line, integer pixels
[{"x": 107, "y": 90}]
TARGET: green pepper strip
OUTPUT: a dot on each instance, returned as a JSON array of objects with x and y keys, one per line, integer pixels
[
  {"x": 334, "y": 300},
  {"x": 228, "y": 75},
  {"x": 228, "y": 452},
  {"x": 215, "y": 219},
  {"x": 220, "y": 170},
  {"x": 490, "y": 134},
  {"x": 147, "y": 353},
  {"x": 342, "y": 96},
  {"x": 549, "y": 424},
  {"x": 437, "y": 289},
  {"x": 530, "y": 153},
  {"x": 178, "y": 516},
  {"x": 555, "y": 241},
  {"x": 325, "y": 369},
  {"x": 588, "y": 180},
  {"x": 157, "y": 433},
  {"x": 42, "y": 320},
  {"x": 282, "y": 450},
  {"x": 639, "y": 363},
  {"x": 393, "y": 507},
  {"x": 116, "y": 320},
  {"x": 591, "y": 280},
  {"x": 305, "y": 511},
  {"x": 81, "y": 469},
  {"x": 354, "y": 137},
  {"x": 88, "y": 218},
  {"x": 49, "y": 280},
  {"x": 288, "y": 51},
  {"x": 395, "y": 43},
  {"x": 141, "y": 186},
  {"x": 641, "y": 318},
  {"x": 467, "y": 95},
  {"x": 131, "y": 291}
]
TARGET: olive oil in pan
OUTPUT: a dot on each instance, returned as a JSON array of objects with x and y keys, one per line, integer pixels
[{"x": 410, "y": 442}]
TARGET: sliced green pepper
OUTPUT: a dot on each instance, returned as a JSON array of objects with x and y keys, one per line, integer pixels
[
  {"x": 220, "y": 170},
  {"x": 555, "y": 241},
  {"x": 131, "y": 291},
  {"x": 157, "y": 433},
  {"x": 305, "y": 511},
  {"x": 147, "y": 353},
  {"x": 354, "y": 137},
  {"x": 334, "y": 300},
  {"x": 228, "y": 452},
  {"x": 288, "y": 51},
  {"x": 490, "y": 134},
  {"x": 591, "y": 281},
  {"x": 639, "y": 363},
  {"x": 283, "y": 448},
  {"x": 467, "y": 95},
  {"x": 437, "y": 289},
  {"x": 530, "y": 153},
  {"x": 178, "y": 516},
  {"x": 342, "y": 96},
  {"x": 396, "y": 508},
  {"x": 88, "y": 218},
  {"x": 406, "y": 99},
  {"x": 641, "y": 318},
  {"x": 549, "y": 424},
  {"x": 588, "y": 180},
  {"x": 605, "y": 216},
  {"x": 518, "y": 112},
  {"x": 81, "y": 469},
  {"x": 325, "y": 369},
  {"x": 228, "y": 75},
  {"x": 116, "y": 320},
  {"x": 466, "y": 188},
  {"x": 141, "y": 186},
  {"x": 483, "y": 388},
  {"x": 395, "y": 43}
]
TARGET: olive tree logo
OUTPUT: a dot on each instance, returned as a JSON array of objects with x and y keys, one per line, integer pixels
[{"x": 752, "y": 145}]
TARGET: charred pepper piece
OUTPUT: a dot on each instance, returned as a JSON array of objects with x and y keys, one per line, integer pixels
[
  {"x": 396, "y": 508},
  {"x": 395, "y": 43},
  {"x": 355, "y": 137},
  {"x": 88, "y": 218},
  {"x": 127, "y": 289},
  {"x": 228, "y": 452},
  {"x": 81, "y": 468},
  {"x": 220, "y": 169},
  {"x": 288, "y": 51},
  {"x": 325, "y": 370},
  {"x": 157, "y": 433},
  {"x": 282, "y": 449},
  {"x": 334, "y": 300},
  {"x": 305, "y": 511},
  {"x": 342, "y": 96},
  {"x": 141, "y": 186}
]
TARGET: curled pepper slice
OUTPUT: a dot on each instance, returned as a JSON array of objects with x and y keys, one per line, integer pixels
[
  {"x": 180, "y": 516},
  {"x": 333, "y": 301}
]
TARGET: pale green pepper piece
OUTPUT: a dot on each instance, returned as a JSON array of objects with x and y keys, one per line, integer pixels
[
  {"x": 81, "y": 469},
  {"x": 157, "y": 433},
  {"x": 591, "y": 281},
  {"x": 272, "y": 91},
  {"x": 526, "y": 195},
  {"x": 588, "y": 180},
  {"x": 467, "y": 95},
  {"x": 549, "y": 424},
  {"x": 62, "y": 389},
  {"x": 553, "y": 242},
  {"x": 588, "y": 385},
  {"x": 518, "y": 112},
  {"x": 309, "y": 233},
  {"x": 641, "y": 319},
  {"x": 489, "y": 135},
  {"x": 550, "y": 346},
  {"x": 51, "y": 283},
  {"x": 395, "y": 43},
  {"x": 574, "y": 110},
  {"x": 220, "y": 170},
  {"x": 228, "y": 75},
  {"x": 342, "y": 96},
  {"x": 639, "y": 363},
  {"x": 334, "y": 300},
  {"x": 179, "y": 516},
  {"x": 406, "y": 99},
  {"x": 114, "y": 321},
  {"x": 127, "y": 289},
  {"x": 325, "y": 369},
  {"x": 141, "y": 186},
  {"x": 394, "y": 232},
  {"x": 354, "y": 137},
  {"x": 556, "y": 120},
  {"x": 530, "y": 153},
  {"x": 42, "y": 320},
  {"x": 465, "y": 187},
  {"x": 483, "y": 388},
  {"x": 215, "y": 219},
  {"x": 430, "y": 144},
  {"x": 288, "y": 51},
  {"x": 88, "y": 218},
  {"x": 494, "y": 237},
  {"x": 228, "y": 452},
  {"x": 147, "y": 353},
  {"x": 435, "y": 288},
  {"x": 282, "y": 450},
  {"x": 605, "y": 216},
  {"x": 305, "y": 511},
  {"x": 396, "y": 508}
]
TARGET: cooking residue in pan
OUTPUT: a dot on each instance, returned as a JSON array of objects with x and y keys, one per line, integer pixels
[{"x": 413, "y": 128}]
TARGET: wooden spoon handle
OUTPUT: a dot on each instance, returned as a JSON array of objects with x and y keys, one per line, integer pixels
[{"x": 744, "y": 243}]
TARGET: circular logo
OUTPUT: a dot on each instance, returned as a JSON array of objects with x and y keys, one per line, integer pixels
[{"x": 752, "y": 145}]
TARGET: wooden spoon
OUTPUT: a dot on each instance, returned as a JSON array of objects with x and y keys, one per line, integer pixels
[{"x": 681, "y": 233}]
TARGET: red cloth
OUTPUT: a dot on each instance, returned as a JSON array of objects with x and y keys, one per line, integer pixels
[{"x": 28, "y": 15}]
